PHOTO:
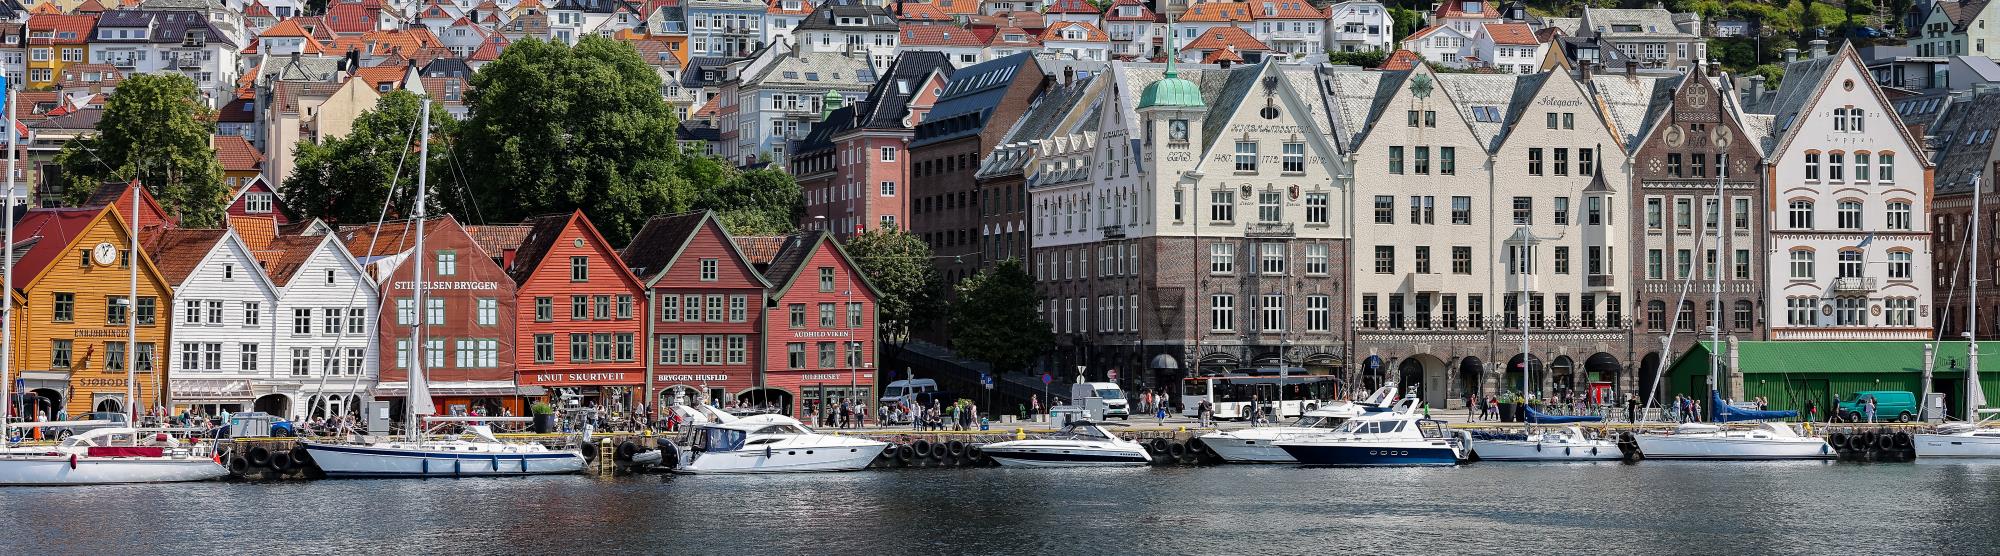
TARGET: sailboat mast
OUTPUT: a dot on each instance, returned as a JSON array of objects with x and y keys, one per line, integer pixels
[
  {"x": 1521, "y": 307},
  {"x": 1974, "y": 395},
  {"x": 1715, "y": 307},
  {"x": 419, "y": 389},
  {"x": 7, "y": 273},
  {"x": 132, "y": 308}
]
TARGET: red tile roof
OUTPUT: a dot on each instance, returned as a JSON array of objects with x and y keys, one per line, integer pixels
[
  {"x": 1286, "y": 9},
  {"x": 958, "y": 7},
  {"x": 237, "y": 155},
  {"x": 1071, "y": 7},
  {"x": 939, "y": 35},
  {"x": 176, "y": 252},
  {"x": 1401, "y": 60},
  {"x": 923, "y": 12},
  {"x": 1090, "y": 32},
  {"x": 1513, "y": 34},
  {"x": 1216, "y": 12},
  {"x": 67, "y": 29},
  {"x": 1219, "y": 38}
]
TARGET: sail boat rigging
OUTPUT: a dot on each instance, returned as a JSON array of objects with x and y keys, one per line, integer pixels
[{"x": 1973, "y": 438}]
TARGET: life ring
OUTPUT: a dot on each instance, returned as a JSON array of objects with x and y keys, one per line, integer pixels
[{"x": 260, "y": 456}]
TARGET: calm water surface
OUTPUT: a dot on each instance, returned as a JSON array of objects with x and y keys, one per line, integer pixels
[{"x": 1649, "y": 507}]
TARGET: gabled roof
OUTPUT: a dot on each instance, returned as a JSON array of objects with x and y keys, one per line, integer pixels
[
  {"x": 1285, "y": 9},
  {"x": 1401, "y": 60},
  {"x": 830, "y": 13},
  {"x": 543, "y": 233},
  {"x": 1226, "y": 38},
  {"x": 1217, "y": 12},
  {"x": 972, "y": 92},
  {"x": 237, "y": 155},
  {"x": 115, "y": 195},
  {"x": 1456, "y": 10},
  {"x": 1513, "y": 34},
  {"x": 1090, "y": 32},
  {"x": 939, "y": 35},
  {"x": 662, "y": 240},
  {"x": 921, "y": 12},
  {"x": 1070, "y": 7},
  {"x": 286, "y": 255},
  {"x": 52, "y": 231},
  {"x": 178, "y": 252},
  {"x": 790, "y": 260},
  {"x": 497, "y": 239},
  {"x": 958, "y": 7},
  {"x": 1145, "y": 11},
  {"x": 1965, "y": 142}
]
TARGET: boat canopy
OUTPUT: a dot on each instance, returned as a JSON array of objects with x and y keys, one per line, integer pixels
[
  {"x": 1539, "y": 418},
  {"x": 1725, "y": 413},
  {"x": 46, "y": 424}
]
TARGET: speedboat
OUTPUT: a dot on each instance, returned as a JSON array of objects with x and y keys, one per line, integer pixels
[
  {"x": 476, "y": 453},
  {"x": 771, "y": 443},
  {"x": 1565, "y": 444},
  {"x": 1768, "y": 440},
  {"x": 1397, "y": 437},
  {"x": 1077, "y": 444},
  {"x": 1960, "y": 440},
  {"x": 108, "y": 455},
  {"x": 1254, "y": 445},
  {"x": 1568, "y": 443},
  {"x": 1707, "y": 441}
]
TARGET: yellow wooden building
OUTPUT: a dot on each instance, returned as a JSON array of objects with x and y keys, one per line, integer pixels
[{"x": 70, "y": 291}]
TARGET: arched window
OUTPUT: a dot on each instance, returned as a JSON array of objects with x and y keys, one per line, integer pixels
[
  {"x": 1685, "y": 320},
  {"x": 1656, "y": 315}
]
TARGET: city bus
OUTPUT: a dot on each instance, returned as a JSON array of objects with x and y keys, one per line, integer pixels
[{"x": 1230, "y": 395}]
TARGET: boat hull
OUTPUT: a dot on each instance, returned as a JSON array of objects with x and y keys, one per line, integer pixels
[
  {"x": 789, "y": 460},
  {"x": 1373, "y": 454},
  {"x": 1656, "y": 446},
  {"x": 1047, "y": 453},
  {"x": 1246, "y": 450},
  {"x": 21, "y": 470},
  {"x": 366, "y": 461},
  {"x": 1523, "y": 450},
  {"x": 1956, "y": 446}
]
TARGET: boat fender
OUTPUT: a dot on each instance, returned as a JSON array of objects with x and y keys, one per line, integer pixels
[
  {"x": 887, "y": 453},
  {"x": 1837, "y": 439},
  {"x": 1538, "y": 447},
  {"x": 1886, "y": 442},
  {"x": 1824, "y": 449},
  {"x": 1176, "y": 449},
  {"x": 1593, "y": 450},
  {"x": 281, "y": 461},
  {"x": 72, "y": 462},
  {"x": 903, "y": 455},
  {"x": 424, "y": 466},
  {"x": 956, "y": 448},
  {"x": 670, "y": 455},
  {"x": 625, "y": 451},
  {"x": 301, "y": 456},
  {"x": 1158, "y": 446},
  {"x": 976, "y": 453},
  {"x": 922, "y": 448},
  {"x": 495, "y": 461},
  {"x": 239, "y": 466},
  {"x": 1565, "y": 450},
  {"x": 455, "y": 466},
  {"x": 589, "y": 451},
  {"x": 260, "y": 456},
  {"x": 1867, "y": 440}
]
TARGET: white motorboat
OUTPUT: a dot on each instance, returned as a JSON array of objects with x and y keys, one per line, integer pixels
[
  {"x": 772, "y": 444},
  {"x": 1712, "y": 442},
  {"x": 1566, "y": 444},
  {"x": 1077, "y": 444},
  {"x": 109, "y": 455},
  {"x": 1960, "y": 440},
  {"x": 1401, "y": 436},
  {"x": 1255, "y": 445},
  {"x": 476, "y": 453}
]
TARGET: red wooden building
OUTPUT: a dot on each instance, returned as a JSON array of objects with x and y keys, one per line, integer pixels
[
  {"x": 820, "y": 343},
  {"x": 469, "y": 315},
  {"x": 706, "y": 311},
  {"x": 578, "y": 313}
]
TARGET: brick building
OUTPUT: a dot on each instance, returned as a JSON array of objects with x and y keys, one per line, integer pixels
[
  {"x": 854, "y": 166},
  {"x": 979, "y": 104}
]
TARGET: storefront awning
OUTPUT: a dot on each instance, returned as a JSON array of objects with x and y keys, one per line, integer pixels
[
  {"x": 450, "y": 388},
  {"x": 209, "y": 389}
]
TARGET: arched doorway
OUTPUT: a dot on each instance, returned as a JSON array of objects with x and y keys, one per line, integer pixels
[
  {"x": 275, "y": 404},
  {"x": 1603, "y": 369},
  {"x": 772, "y": 398},
  {"x": 1372, "y": 373},
  {"x": 1470, "y": 372},
  {"x": 1649, "y": 378},
  {"x": 1410, "y": 376},
  {"x": 1562, "y": 375},
  {"x": 679, "y": 394},
  {"x": 1432, "y": 380},
  {"x": 44, "y": 403},
  {"x": 108, "y": 405},
  {"x": 1512, "y": 380},
  {"x": 1221, "y": 363}
]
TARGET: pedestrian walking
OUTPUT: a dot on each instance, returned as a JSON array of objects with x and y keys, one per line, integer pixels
[
  {"x": 1811, "y": 410},
  {"x": 1631, "y": 408},
  {"x": 1868, "y": 405},
  {"x": 1160, "y": 415},
  {"x": 1205, "y": 412},
  {"x": 1468, "y": 407},
  {"x": 1427, "y": 410}
]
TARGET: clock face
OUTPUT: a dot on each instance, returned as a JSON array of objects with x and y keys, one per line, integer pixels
[
  {"x": 104, "y": 253},
  {"x": 1177, "y": 130}
]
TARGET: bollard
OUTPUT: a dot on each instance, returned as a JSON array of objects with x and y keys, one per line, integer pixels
[{"x": 1020, "y": 434}]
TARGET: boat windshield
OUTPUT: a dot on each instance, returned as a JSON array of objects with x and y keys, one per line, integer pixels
[
  {"x": 717, "y": 439},
  {"x": 1370, "y": 427},
  {"x": 1313, "y": 422},
  {"x": 781, "y": 430},
  {"x": 1081, "y": 430}
]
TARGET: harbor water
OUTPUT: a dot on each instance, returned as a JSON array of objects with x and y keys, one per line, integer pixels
[{"x": 1647, "y": 507}]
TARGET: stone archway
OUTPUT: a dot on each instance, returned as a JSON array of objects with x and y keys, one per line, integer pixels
[
  {"x": 274, "y": 404},
  {"x": 1562, "y": 375},
  {"x": 1434, "y": 380},
  {"x": 1410, "y": 376},
  {"x": 46, "y": 403},
  {"x": 1511, "y": 380},
  {"x": 1471, "y": 372},
  {"x": 1649, "y": 378},
  {"x": 1373, "y": 375}
]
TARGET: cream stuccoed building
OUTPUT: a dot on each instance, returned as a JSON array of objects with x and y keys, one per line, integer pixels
[
  {"x": 1214, "y": 218},
  {"x": 1470, "y": 189},
  {"x": 1849, "y": 188}
]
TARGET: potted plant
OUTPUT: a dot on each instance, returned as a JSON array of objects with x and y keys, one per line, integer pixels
[
  {"x": 545, "y": 417},
  {"x": 1509, "y": 407}
]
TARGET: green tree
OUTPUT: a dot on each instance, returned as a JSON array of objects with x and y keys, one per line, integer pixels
[
  {"x": 346, "y": 179},
  {"x": 771, "y": 194},
  {"x": 750, "y": 222},
  {"x": 998, "y": 318},
  {"x": 1364, "y": 58},
  {"x": 155, "y": 129},
  {"x": 1407, "y": 21},
  {"x": 556, "y": 128},
  {"x": 898, "y": 263}
]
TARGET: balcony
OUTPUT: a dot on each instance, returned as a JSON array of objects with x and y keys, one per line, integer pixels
[
  {"x": 1600, "y": 281},
  {"x": 1115, "y": 231},
  {"x": 1424, "y": 282},
  {"x": 1854, "y": 284},
  {"x": 1267, "y": 229},
  {"x": 1343, "y": 36}
]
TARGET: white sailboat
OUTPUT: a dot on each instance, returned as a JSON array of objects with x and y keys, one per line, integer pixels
[
  {"x": 1565, "y": 444},
  {"x": 1970, "y": 439},
  {"x": 482, "y": 454},
  {"x": 101, "y": 455}
]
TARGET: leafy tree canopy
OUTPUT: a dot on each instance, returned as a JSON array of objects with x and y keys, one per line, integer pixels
[{"x": 155, "y": 129}]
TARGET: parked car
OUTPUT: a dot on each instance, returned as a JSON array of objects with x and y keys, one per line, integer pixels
[
  {"x": 116, "y": 419},
  {"x": 1900, "y": 405}
]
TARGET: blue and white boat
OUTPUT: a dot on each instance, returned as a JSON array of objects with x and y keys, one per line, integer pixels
[
  {"x": 477, "y": 453},
  {"x": 1255, "y": 444},
  {"x": 1567, "y": 443},
  {"x": 1399, "y": 437}
]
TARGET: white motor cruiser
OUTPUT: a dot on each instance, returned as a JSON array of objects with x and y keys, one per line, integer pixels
[
  {"x": 108, "y": 455},
  {"x": 1401, "y": 436},
  {"x": 770, "y": 444},
  {"x": 1077, "y": 444},
  {"x": 1568, "y": 443}
]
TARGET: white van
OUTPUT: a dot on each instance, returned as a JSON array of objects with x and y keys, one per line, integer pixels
[
  {"x": 907, "y": 390},
  {"x": 1106, "y": 393}
]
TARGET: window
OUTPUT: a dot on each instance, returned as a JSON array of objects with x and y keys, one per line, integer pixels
[
  {"x": 1741, "y": 216},
  {"x": 1421, "y": 209},
  {"x": 59, "y": 354},
  {"x": 1698, "y": 167},
  {"x": 1423, "y": 259},
  {"x": 579, "y": 307},
  {"x": 1461, "y": 259},
  {"x": 191, "y": 309},
  {"x": 888, "y": 189},
  {"x": 1534, "y": 161},
  {"x": 1447, "y": 160},
  {"x": 1222, "y": 206},
  {"x": 302, "y": 358},
  {"x": 795, "y": 355},
  {"x": 854, "y": 316},
  {"x": 114, "y": 310},
  {"x": 579, "y": 269},
  {"x": 1849, "y": 311},
  {"x": 888, "y": 154},
  {"x": 1562, "y": 259},
  {"x": 1317, "y": 313},
  {"x": 1899, "y": 311},
  {"x": 1586, "y": 162},
  {"x": 1684, "y": 320},
  {"x": 1423, "y": 161},
  {"x": 1295, "y": 158},
  {"x": 246, "y": 359},
  {"x": 545, "y": 348},
  {"x": 829, "y": 352},
  {"x": 1899, "y": 265},
  {"x": 709, "y": 269},
  {"x": 1562, "y": 211},
  {"x": 1385, "y": 259},
  {"x": 1799, "y": 311},
  {"x": 1742, "y": 315},
  {"x": 739, "y": 347},
  {"x": 434, "y": 311},
  {"x": 739, "y": 308},
  {"x": 1860, "y": 166},
  {"x": 1561, "y": 162},
  {"x": 1742, "y": 263},
  {"x": 1654, "y": 218},
  {"x": 488, "y": 310},
  {"x": 1395, "y": 160},
  {"x": 1898, "y": 216},
  {"x": 1272, "y": 314},
  {"x": 1246, "y": 156},
  {"x": 1849, "y": 215},
  {"x": 826, "y": 319},
  {"x": 1222, "y": 312},
  {"x": 1800, "y": 214},
  {"x": 447, "y": 262},
  {"x": 1655, "y": 264},
  {"x": 670, "y": 308},
  {"x": 1461, "y": 210},
  {"x": 1524, "y": 211},
  {"x": 1802, "y": 264},
  {"x": 1270, "y": 206},
  {"x": 1316, "y": 208},
  {"x": 1271, "y": 258},
  {"x": 1593, "y": 211},
  {"x": 544, "y": 309},
  {"x": 1385, "y": 209},
  {"x": 1836, "y": 165},
  {"x": 1368, "y": 311},
  {"x": 1885, "y": 167},
  {"x": 715, "y": 308},
  {"x": 1684, "y": 214},
  {"x": 1812, "y": 165}
]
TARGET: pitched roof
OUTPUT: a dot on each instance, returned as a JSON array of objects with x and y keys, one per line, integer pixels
[
  {"x": 1071, "y": 7},
  {"x": 1286, "y": 9},
  {"x": 496, "y": 239},
  {"x": 1401, "y": 60},
  {"x": 663, "y": 238},
  {"x": 285, "y": 255},
  {"x": 921, "y": 12},
  {"x": 237, "y": 155},
  {"x": 1511, "y": 34},
  {"x": 177, "y": 252},
  {"x": 1145, "y": 11},
  {"x": 1964, "y": 142},
  {"x": 1090, "y": 32},
  {"x": 51, "y": 231},
  {"x": 1226, "y": 38},
  {"x": 939, "y": 35},
  {"x": 1217, "y": 12},
  {"x": 958, "y": 7},
  {"x": 543, "y": 232},
  {"x": 830, "y": 13},
  {"x": 257, "y": 231}
]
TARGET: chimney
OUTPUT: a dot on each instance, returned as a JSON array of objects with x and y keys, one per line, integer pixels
[
  {"x": 1583, "y": 70},
  {"x": 1069, "y": 75},
  {"x": 1791, "y": 55},
  {"x": 1818, "y": 48},
  {"x": 1756, "y": 88},
  {"x": 1631, "y": 68},
  {"x": 1714, "y": 69}
]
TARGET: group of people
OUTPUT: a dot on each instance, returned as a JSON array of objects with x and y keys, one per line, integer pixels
[
  {"x": 1152, "y": 401},
  {"x": 843, "y": 415}
]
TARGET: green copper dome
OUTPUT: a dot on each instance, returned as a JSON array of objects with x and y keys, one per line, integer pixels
[{"x": 1171, "y": 91}]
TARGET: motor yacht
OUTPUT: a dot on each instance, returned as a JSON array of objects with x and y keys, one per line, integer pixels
[
  {"x": 1255, "y": 445},
  {"x": 771, "y": 443},
  {"x": 1077, "y": 444},
  {"x": 1401, "y": 436},
  {"x": 108, "y": 455}
]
